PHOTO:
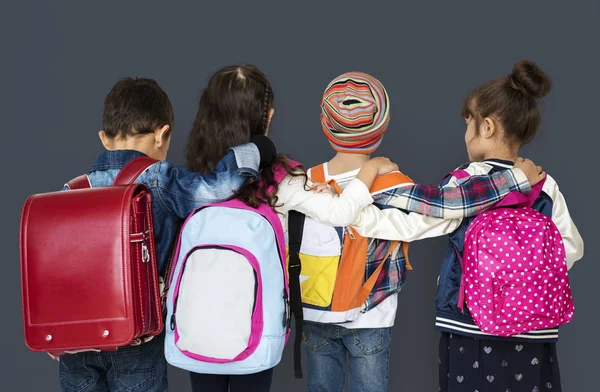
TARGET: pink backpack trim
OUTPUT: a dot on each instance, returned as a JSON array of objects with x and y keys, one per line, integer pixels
[{"x": 257, "y": 318}]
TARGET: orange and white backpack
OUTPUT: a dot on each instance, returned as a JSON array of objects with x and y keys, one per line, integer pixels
[{"x": 342, "y": 273}]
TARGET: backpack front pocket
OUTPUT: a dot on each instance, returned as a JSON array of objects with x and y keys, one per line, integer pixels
[
  {"x": 535, "y": 302},
  {"x": 217, "y": 302}
]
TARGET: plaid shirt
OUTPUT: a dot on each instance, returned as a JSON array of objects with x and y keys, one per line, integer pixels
[
  {"x": 392, "y": 275},
  {"x": 458, "y": 198}
]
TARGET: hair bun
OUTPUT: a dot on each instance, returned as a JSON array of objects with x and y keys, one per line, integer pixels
[{"x": 529, "y": 78}]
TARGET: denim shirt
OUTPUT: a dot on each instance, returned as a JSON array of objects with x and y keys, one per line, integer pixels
[{"x": 177, "y": 191}]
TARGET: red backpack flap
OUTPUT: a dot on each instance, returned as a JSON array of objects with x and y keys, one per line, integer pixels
[{"x": 88, "y": 268}]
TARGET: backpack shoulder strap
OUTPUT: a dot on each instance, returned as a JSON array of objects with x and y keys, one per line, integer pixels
[
  {"x": 133, "y": 170},
  {"x": 169, "y": 271},
  {"x": 295, "y": 232},
  {"x": 389, "y": 181},
  {"x": 81, "y": 182},
  {"x": 317, "y": 173}
]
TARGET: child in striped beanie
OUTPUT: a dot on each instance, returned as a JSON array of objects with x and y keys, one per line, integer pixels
[
  {"x": 355, "y": 113},
  {"x": 354, "y": 116}
]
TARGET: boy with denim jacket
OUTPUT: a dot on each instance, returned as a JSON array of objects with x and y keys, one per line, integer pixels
[{"x": 137, "y": 122}]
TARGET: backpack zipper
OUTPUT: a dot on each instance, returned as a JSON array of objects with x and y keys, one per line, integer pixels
[
  {"x": 352, "y": 237},
  {"x": 501, "y": 299}
]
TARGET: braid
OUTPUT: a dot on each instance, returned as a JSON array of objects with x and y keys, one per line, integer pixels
[{"x": 265, "y": 123}]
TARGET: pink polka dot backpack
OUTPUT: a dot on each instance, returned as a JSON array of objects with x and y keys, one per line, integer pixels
[{"x": 514, "y": 269}]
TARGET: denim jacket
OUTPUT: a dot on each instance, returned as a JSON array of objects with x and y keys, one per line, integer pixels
[{"x": 177, "y": 191}]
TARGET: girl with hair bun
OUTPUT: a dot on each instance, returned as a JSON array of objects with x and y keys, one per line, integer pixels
[{"x": 501, "y": 116}]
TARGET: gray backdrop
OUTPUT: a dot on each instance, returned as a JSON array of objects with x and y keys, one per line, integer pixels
[{"x": 59, "y": 60}]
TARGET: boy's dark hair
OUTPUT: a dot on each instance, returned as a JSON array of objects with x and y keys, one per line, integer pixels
[
  {"x": 513, "y": 100},
  {"x": 136, "y": 106}
]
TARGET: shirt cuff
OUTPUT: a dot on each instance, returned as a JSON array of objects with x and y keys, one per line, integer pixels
[
  {"x": 360, "y": 192},
  {"x": 518, "y": 180},
  {"x": 247, "y": 158}
]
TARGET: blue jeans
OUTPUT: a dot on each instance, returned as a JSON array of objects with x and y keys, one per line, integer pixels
[
  {"x": 326, "y": 347},
  {"x": 130, "y": 369}
]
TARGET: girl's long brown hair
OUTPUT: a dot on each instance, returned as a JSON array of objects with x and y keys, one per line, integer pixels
[{"x": 234, "y": 107}]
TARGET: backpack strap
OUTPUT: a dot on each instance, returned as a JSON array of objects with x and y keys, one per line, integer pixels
[
  {"x": 81, "y": 182},
  {"x": 317, "y": 174},
  {"x": 295, "y": 232},
  {"x": 461, "y": 293},
  {"x": 133, "y": 170},
  {"x": 516, "y": 199},
  {"x": 390, "y": 181},
  {"x": 169, "y": 271},
  {"x": 368, "y": 286},
  {"x": 126, "y": 176}
]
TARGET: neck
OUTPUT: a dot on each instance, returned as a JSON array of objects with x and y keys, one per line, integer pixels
[
  {"x": 343, "y": 162},
  {"x": 507, "y": 153},
  {"x": 129, "y": 144}
]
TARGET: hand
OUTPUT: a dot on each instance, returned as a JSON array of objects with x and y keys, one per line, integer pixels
[
  {"x": 373, "y": 168},
  {"x": 56, "y": 358},
  {"x": 322, "y": 188},
  {"x": 384, "y": 165},
  {"x": 533, "y": 172}
]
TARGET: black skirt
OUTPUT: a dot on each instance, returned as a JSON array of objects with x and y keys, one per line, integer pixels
[{"x": 481, "y": 365}]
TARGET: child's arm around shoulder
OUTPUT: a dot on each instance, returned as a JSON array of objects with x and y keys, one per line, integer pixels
[
  {"x": 294, "y": 193},
  {"x": 563, "y": 221},
  {"x": 181, "y": 190},
  {"x": 394, "y": 224},
  {"x": 466, "y": 192}
]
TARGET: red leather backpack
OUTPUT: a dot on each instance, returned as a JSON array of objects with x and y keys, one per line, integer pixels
[{"x": 89, "y": 276}]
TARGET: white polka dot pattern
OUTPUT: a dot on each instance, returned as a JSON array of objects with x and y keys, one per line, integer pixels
[{"x": 515, "y": 272}]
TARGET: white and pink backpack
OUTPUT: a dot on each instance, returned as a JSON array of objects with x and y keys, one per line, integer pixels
[
  {"x": 514, "y": 276},
  {"x": 231, "y": 292}
]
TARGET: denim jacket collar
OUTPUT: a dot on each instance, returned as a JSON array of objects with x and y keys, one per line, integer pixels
[{"x": 115, "y": 159}]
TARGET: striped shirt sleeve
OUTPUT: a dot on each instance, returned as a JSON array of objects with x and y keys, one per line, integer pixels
[{"x": 462, "y": 195}]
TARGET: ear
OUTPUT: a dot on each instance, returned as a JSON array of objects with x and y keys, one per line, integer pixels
[
  {"x": 107, "y": 142},
  {"x": 161, "y": 135},
  {"x": 489, "y": 127},
  {"x": 271, "y": 113}
]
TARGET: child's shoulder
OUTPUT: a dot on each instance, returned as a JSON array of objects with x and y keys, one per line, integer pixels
[
  {"x": 472, "y": 169},
  {"x": 395, "y": 179},
  {"x": 550, "y": 186}
]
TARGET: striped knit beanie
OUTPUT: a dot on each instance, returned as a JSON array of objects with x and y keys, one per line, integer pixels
[{"x": 355, "y": 113}]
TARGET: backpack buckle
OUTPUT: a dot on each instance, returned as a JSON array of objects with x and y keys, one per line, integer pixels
[
  {"x": 350, "y": 234},
  {"x": 287, "y": 315},
  {"x": 145, "y": 253}
]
